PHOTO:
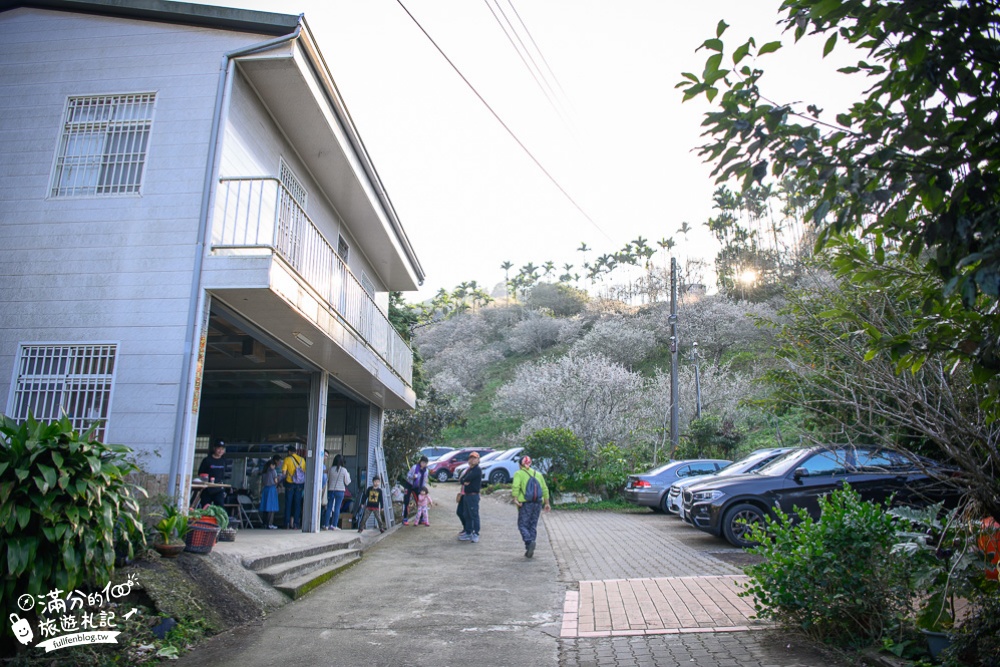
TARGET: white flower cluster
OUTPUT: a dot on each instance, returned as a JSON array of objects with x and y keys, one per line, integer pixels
[{"x": 591, "y": 395}]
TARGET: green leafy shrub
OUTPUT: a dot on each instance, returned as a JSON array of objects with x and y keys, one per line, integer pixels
[
  {"x": 939, "y": 549},
  {"x": 977, "y": 641},
  {"x": 943, "y": 554},
  {"x": 566, "y": 453},
  {"x": 407, "y": 431},
  {"x": 63, "y": 498},
  {"x": 835, "y": 578},
  {"x": 604, "y": 474},
  {"x": 711, "y": 436}
]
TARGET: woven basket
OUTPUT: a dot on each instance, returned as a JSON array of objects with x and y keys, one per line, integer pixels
[
  {"x": 201, "y": 537},
  {"x": 227, "y": 535}
]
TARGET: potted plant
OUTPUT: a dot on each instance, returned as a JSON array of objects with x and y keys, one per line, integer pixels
[
  {"x": 212, "y": 514},
  {"x": 172, "y": 529},
  {"x": 204, "y": 525},
  {"x": 944, "y": 566}
]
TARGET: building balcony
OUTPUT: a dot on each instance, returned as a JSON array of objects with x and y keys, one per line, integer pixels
[{"x": 262, "y": 238}]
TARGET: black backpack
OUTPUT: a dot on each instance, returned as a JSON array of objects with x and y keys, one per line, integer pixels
[{"x": 532, "y": 490}]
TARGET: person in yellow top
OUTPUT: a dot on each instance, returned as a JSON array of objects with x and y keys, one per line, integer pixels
[
  {"x": 294, "y": 469},
  {"x": 531, "y": 494}
]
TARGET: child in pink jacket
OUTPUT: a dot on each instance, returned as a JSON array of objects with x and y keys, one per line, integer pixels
[{"x": 423, "y": 503}]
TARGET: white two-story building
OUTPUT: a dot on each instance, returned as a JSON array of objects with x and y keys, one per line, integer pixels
[{"x": 194, "y": 242}]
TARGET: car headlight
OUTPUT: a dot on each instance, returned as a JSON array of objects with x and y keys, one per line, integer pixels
[{"x": 702, "y": 496}]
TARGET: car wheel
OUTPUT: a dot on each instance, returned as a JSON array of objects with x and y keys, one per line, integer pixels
[
  {"x": 498, "y": 477},
  {"x": 737, "y": 522},
  {"x": 442, "y": 475},
  {"x": 663, "y": 504}
]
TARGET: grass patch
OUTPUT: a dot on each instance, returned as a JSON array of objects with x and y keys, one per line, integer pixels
[
  {"x": 657, "y": 360},
  {"x": 483, "y": 427},
  {"x": 613, "y": 505}
]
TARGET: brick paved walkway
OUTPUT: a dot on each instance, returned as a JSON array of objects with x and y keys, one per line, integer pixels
[
  {"x": 672, "y": 605},
  {"x": 647, "y": 591},
  {"x": 734, "y": 649},
  {"x": 604, "y": 545}
]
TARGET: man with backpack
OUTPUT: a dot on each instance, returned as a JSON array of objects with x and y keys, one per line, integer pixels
[
  {"x": 531, "y": 494},
  {"x": 294, "y": 469}
]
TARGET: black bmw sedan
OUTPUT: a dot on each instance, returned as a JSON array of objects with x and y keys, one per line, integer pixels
[{"x": 727, "y": 506}]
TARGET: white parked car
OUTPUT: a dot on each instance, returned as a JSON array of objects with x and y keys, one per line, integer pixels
[
  {"x": 499, "y": 467},
  {"x": 486, "y": 458}
]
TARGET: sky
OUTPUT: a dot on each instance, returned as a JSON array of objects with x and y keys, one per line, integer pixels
[{"x": 606, "y": 122}]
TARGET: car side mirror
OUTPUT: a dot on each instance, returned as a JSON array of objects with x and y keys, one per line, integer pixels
[{"x": 800, "y": 473}]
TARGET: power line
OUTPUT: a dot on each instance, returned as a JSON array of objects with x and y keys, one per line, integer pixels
[
  {"x": 535, "y": 44},
  {"x": 503, "y": 124},
  {"x": 533, "y": 69}
]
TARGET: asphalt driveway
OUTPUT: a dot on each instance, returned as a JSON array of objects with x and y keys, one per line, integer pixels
[
  {"x": 419, "y": 598},
  {"x": 603, "y": 589}
]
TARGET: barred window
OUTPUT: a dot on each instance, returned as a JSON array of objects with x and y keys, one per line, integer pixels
[
  {"x": 103, "y": 145},
  {"x": 74, "y": 380},
  {"x": 367, "y": 284},
  {"x": 292, "y": 184}
]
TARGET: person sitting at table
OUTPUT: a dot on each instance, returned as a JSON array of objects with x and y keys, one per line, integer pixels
[{"x": 213, "y": 469}]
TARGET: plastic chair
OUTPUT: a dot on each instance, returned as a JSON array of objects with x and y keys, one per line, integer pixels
[{"x": 248, "y": 511}]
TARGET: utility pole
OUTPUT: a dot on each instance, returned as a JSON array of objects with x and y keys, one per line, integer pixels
[
  {"x": 674, "y": 389},
  {"x": 697, "y": 383}
]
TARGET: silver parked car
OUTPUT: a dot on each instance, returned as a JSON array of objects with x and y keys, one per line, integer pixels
[
  {"x": 749, "y": 463},
  {"x": 650, "y": 489}
]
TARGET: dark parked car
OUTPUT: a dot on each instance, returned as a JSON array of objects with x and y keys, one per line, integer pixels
[
  {"x": 443, "y": 468},
  {"x": 749, "y": 463},
  {"x": 727, "y": 506},
  {"x": 650, "y": 489}
]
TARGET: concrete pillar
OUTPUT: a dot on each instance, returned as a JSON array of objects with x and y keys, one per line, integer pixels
[{"x": 319, "y": 390}]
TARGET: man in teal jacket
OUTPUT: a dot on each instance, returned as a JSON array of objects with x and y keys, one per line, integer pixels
[{"x": 530, "y": 495}]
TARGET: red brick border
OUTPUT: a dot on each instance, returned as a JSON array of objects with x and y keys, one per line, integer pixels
[{"x": 661, "y": 606}]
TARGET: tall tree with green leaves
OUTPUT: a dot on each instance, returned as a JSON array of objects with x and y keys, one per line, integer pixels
[
  {"x": 507, "y": 266},
  {"x": 915, "y": 165},
  {"x": 849, "y": 393}
]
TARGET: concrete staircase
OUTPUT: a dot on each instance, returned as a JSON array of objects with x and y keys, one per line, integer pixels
[{"x": 296, "y": 571}]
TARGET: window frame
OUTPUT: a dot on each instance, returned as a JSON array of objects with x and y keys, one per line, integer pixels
[
  {"x": 343, "y": 244},
  {"x": 66, "y": 381},
  {"x": 107, "y": 166},
  {"x": 369, "y": 287},
  {"x": 285, "y": 169}
]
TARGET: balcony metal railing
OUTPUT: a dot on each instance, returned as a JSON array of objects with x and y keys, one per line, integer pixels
[{"x": 261, "y": 213}]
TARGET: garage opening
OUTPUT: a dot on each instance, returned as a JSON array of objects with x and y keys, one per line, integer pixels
[{"x": 255, "y": 397}]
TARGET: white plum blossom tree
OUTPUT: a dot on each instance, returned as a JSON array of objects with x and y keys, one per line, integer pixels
[
  {"x": 590, "y": 395},
  {"x": 625, "y": 340}
]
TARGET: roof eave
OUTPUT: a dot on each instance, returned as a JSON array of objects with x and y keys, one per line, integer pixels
[{"x": 184, "y": 13}]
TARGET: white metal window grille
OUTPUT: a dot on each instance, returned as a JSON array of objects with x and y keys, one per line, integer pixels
[
  {"x": 292, "y": 220},
  {"x": 75, "y": 380},
  {"x": 103, "y": 145},
  {"x": 292, "y": 184},
  {"x": 367, "y": 284},
  {"x": 343, "y": 249}
]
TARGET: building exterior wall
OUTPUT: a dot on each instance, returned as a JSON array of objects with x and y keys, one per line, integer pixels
[
  {"x": 106, "y": 268},
  {"x": 253, "y": 145}
]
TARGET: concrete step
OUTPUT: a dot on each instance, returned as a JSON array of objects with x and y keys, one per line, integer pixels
[
  {"x": 258, "y": 563},
  {"x": 290, "y": 569},
  {"x": 296, "y": 588}
]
